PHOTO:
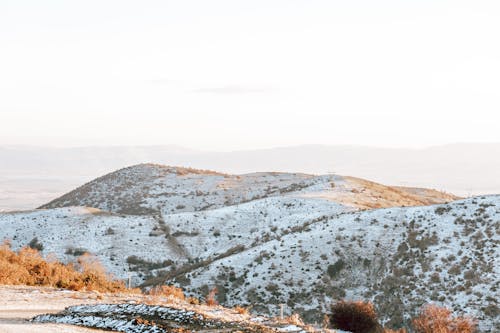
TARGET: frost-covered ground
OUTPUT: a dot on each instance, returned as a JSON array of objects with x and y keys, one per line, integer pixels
[
  {"x": 401, "y": 258},
  {"x": 270, "y": 238},
  {"x": 143, "y": 318},
  {"x": 141, "y": 245},
  {"x": 301, "y": 252}
]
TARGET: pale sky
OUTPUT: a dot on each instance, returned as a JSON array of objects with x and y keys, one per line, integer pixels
[{"x": 222, "y": 75}]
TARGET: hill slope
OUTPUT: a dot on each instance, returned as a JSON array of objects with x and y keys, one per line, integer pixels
[
  {"x": 150, "y": 189},
  {"x": 300, "y": 251},
  {"x": 400, "y": 258},
  {"x": 124, "y": 242}
]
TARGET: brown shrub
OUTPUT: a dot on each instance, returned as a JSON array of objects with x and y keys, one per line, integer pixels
[
  {"x": 193, "y": 300},
  {"x": 211, "y": 301},
  {"x": 241, "y": 310},
  {"x": 435, "y": 319},
  {"x": 28, "y": 267},
  {"x": 356, "y": 317},
  {"x": 294, "y": 319},
  {"x": 167, "y": 291}
]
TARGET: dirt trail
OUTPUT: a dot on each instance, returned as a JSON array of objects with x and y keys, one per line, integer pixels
[{"x": 19, "y": 303}]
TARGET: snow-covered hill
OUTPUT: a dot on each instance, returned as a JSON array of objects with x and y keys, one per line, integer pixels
[
  {"x": 400, "y": 258},
  {"x": 300, "y": 251},
  {"x": 144, "y": 244},
  {"x": 268, "y": 238},
  {"x": 150, "y": 189}
]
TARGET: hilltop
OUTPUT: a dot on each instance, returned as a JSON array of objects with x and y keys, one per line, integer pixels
[
  {"x": 32, "y": 176},
  {"x": 147, "y": 189}
]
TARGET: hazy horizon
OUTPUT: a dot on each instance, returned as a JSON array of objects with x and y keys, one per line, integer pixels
[
  {"x": 175, "y": 146},
  {"x": 32, "y": 176}
]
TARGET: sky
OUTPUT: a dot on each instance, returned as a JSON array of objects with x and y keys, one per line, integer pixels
[{"x": 227, "y": 75}]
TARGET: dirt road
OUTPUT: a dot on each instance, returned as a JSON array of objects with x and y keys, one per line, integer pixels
[{"x": 20, "y": 303}]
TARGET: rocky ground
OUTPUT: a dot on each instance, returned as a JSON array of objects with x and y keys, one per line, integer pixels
[{"x": 30, "y": 309}]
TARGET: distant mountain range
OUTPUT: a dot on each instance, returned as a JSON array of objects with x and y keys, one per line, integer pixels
[{"x": 31, "y": 176}]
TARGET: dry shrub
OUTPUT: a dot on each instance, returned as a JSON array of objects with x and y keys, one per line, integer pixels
[
  {"x": 167, "y": 291},
  {"x": 28, "y": 267},
  {"x": 435, "y": 319},
  {"x": 211, "y": 301},
  {"x": 294, "y": 319},
  {"x": 356, "y": 317},
  {"x": 241, "y": 310},
  {"x": 193, "y": 301}
]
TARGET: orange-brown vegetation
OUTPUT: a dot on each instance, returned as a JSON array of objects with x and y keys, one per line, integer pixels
[
  {"x": 435, "y": 319},
  {"x": 360, "y": 317},
  {"x": 211, "y": 300},
  {"x": 167, "y": 291},
  {"x": 371, "y": 195},
  {"x": 241, "y": 310},
  {"x": 294, "y": 319},
  {"x": 28, "y": 267}
]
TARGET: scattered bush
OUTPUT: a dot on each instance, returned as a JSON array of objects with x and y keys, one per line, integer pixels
[
  {"x": 138, "y": 264},
  {"x": 110, "y": 231},
  {"x": 75, "y": 252},
  {"x": 35, "y": 244},
  {"x": 335, "y": 269},
  {"x": 356, "y": 317},
  {"x": 435, "y": 319},
  {"x": 442, "y": 209}
]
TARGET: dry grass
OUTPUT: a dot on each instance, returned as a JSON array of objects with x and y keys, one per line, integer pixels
[
  {"x": 28, "y": 267},
  {"x": 294, "y": 319},
  {"x": 167, "y": 291},
  {"x": 435, "y": 319}
]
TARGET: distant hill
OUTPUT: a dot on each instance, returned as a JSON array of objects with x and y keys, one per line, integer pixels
[
  {"x": 153, "y": 189},
  {"x": 32, "y": 176}
]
